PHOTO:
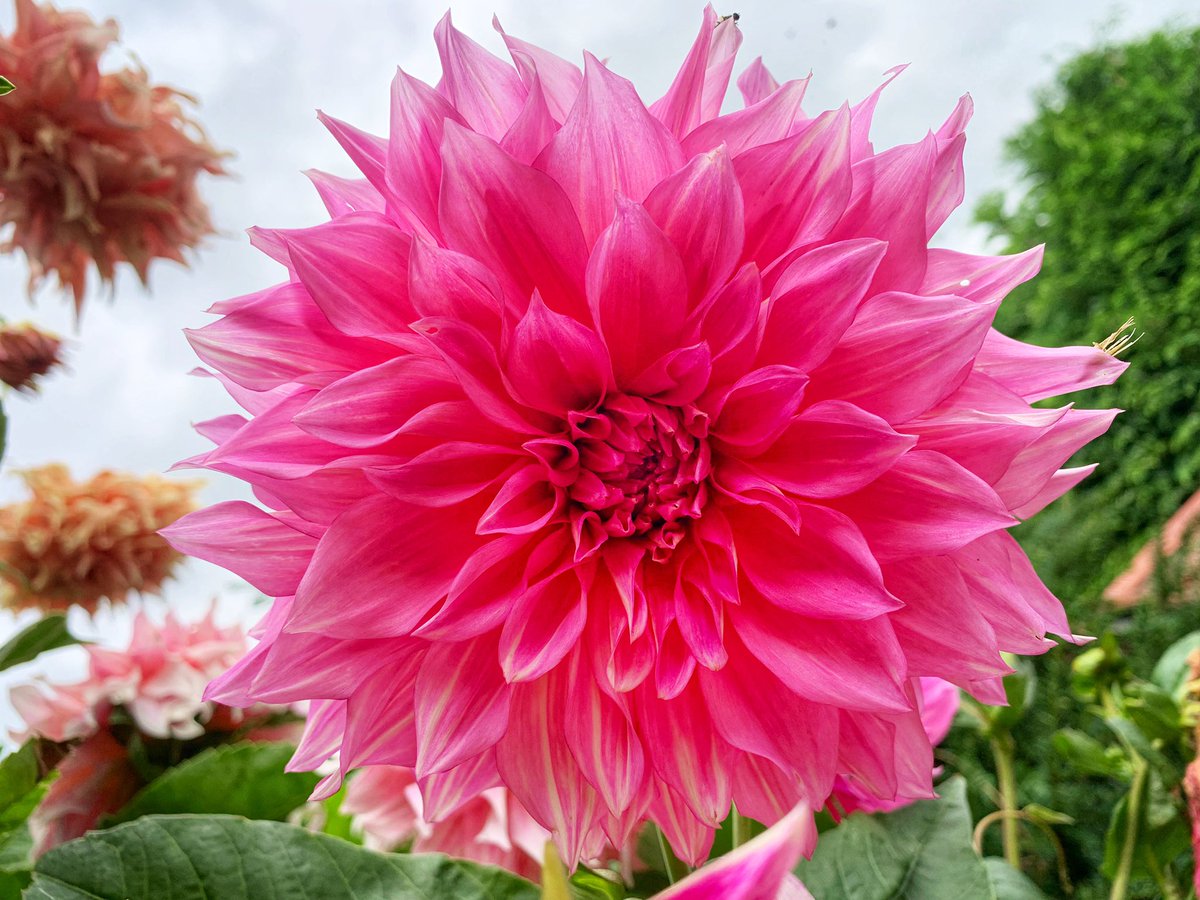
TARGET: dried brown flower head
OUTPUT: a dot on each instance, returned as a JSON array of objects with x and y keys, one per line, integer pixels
[
  {"x": 26, "y": 354},
  {"x": 79, "y": 542}
]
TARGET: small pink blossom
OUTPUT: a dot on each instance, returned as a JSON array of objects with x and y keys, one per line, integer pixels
[{"x": 636, "y": 457}]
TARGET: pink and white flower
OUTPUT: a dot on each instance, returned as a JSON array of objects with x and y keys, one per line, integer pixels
[{"x": 637, "y": 458}]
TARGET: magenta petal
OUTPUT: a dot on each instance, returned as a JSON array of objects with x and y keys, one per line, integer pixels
[
  {"x": 512, "y": 218},
  {"x": 533, "y": 129},
  {"x": 482, "y": 593},
  {"x": 379, "y": 716},
  {"x": 796, "y": 189},
  {"x": 461, "y": 704},
  {"x": 523, "y": 505},
  {"x": 560, "y": 79},
  {"x": 395, "y": 558},
  {"x": 925, "y": 505},
  {"x": 983, "y": 279},
  {"x": 770, "y": 119},
  {"x": 1058, "y": 484},
  {"x": 918, "y": 350},
  {"x": 345, "y": 195},
  {"x": 1035, "y": 373},
  {"x": 1034, "y": 466},
  {"x": 814, "y": 301},
  {"x": 699, "y": 209},
  {"x": 443, "y": 793},
  {"x": 995, "y": 565},
  {"x": 543, "y": 626},
  {"x": 482, "y": 87},
  {"x": 555, "y": 363},
  {"x": 367, "y": 151},
  {"x": 446, "y": 474},
  {"x": 947, "y": 183},
  {"x": 689, "y": 837},
  {"x": 268, "y": 553},
  {"x": 696, "y": 93},
  {"x": 756, "y": 83},
  {"x": 637, "y": 291},
  {"x": 758, "y": 409},
  {"x": 609, "y": 144},
  {"x": 446, "y": 284}
]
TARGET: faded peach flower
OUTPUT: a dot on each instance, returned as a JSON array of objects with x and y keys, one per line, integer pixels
[
  {"x": 95, "y": 167},
  {"x": 26, "y": 354},
  {"x": 80, "y": 542}
]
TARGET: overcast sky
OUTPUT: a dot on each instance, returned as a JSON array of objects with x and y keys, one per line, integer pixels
[{"x": 261, "y": 67}]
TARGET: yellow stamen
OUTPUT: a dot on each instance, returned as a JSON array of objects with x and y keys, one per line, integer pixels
[{"x": 1120, "y": 341}]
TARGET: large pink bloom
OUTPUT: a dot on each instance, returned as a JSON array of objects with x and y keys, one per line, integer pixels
[{"x": 638, "y": 459}]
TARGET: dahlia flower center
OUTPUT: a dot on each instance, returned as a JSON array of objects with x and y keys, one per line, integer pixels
[{"x": 642, "y": 469}]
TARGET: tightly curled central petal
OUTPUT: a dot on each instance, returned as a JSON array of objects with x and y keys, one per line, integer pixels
[{"x": 642, "y": 470}]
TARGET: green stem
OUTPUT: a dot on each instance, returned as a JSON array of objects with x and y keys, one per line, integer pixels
[
  {"x": 1006, "y": 777},
  {"x": 672, "y": 865},
  {"x": 741, "y": 829},
  {"x": 1166, "y": 884},
  {"x": 1133, "y": 812}
]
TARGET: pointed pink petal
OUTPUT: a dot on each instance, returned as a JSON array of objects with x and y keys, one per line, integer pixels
[
  {"x": 483, "y": 88},
  {"x": 699, "y": 87},
  {"x": 345, "y": 195},
  {"x": 366, "y": 151},
  {"x": 555, "y": 363},
  {"x": 609, "y": 144},
  {"x": 523, "y": 505},
  {"x": 763, "y": 791},
  {"x": 533, "y": 129},
  {"x": 996, "y": 565},
  {"x": 690, "y": 838},
  {"x": 379, "y": 716},
  {"x": 1036, "y": 373},
  {"x": 946, "y": 187},
  {"x": 561, "y": 80},
  {"x": 863, "y": 112},
  {"x": 542, "y": 628},
  {"x": 482, "y": 593},
  {"x": 770, "y": 119},
  {"x": 756, "y": 83},
  {"x": 983, "y": 279},
  {"x": 443, "y": 793},
  {"x": 1058, "y": 484},
  {"x": 446, "y": 474},
  {"x": 1036, "y": 464}
]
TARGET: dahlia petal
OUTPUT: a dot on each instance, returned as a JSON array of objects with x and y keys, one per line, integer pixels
[
  {"x": 730, "y": 326},
  {"x": 984, "y": 279},
  {"x": 814, "y": 301},
  {"x": 271, "y": 444},
  {"x": 484, "y": 89},
  {"x": 995, "y": 563},
  {"x": 831, "y": 449},
  {"x": 862, "y": 113},
  {"x": 699, "y": 87},
  {"x": 252, "y": 544},
  {"x": 555, "y": 363},
  {"x": 380, "y": 717},
  {"x": 891, "y": 755},
  {"x": 764, "y": 792},
  {"x": 514, "y": 219},
  {"x": 769, "y": 119},
  {"x": 686, "y": 752},
  {"x": 602, "y": 739},
  {"x": 523, "y": 505},
  {"x": 699, "y": 209},
  {"x": 537, "y": 765},
  {"x": 608, "y": 145},
  {"x": 444, "y": 793},
  {"x": 689, "y": 837},
  {"x": 701, "y": 625},
  {"x": 637, "y": 290},
  {"x": 413, "y": 161},
  {"x": 543, "y": 626},
  {"x": 674, "y": 662},
  {"x": 940, "y": 627},
  {"x": 757, "y": 409},
  {"x": 1058, "y": 484},
  {"x": 323, "y": 729},
  {"x": 918, "y": 349},
  {"x": 561, "y": 80},
  {"x": 889, "y": 203},
  {"x": 756, "y": 713},
  {"x": 482, "y": 592},
  {"x": 758, "y": 870},
  {"x": 756, "y": 83},
  {"x": 826, "y": 570},
  {"x": 345, "y": 195},
  {"x": 271, "y": 241},
  {"x": 461, "y": 704},
  {"x": 925, "y": 505},
  {"x": 446, "y": 474},
  {"x": 859, "y": 665},
  {"x": 947, "y": 185},
  {"x": 282, "y": 337},
  {"x": 333, "y": 668},
  {"x": 385, "y": 553},
  {"x": 371, "y": 406},
  {"x": 677, "y": 378},
  {"x": 366, "y": 151},
  {"x": 1036, "y": 373},
  {"x": 533, "y": 129},
  {"x": 1037, "y": 463},
  {"x": 796, "y": 189}
]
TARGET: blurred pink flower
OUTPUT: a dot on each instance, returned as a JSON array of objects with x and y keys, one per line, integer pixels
[
  {"x": 489, "y": 827},
  {"x": 939, "y": 704},
  {"x": 152, "y": 688},
  {"x": 95, "y": 167},
  {"x": 638, "y": 459}
]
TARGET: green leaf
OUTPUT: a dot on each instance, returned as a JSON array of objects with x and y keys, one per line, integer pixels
[
  {"x": 230, "y": 858},
  {"x": 245, "y": 779},
  {"x": 48, "y": 633},
  {"x": 3, "y": 417},
  {"x": 1172, "y": 672},
  {"x": 1020, "y": 688},
  {"x": 1162, "y": 832},
  {"x": 1008, "y": 883},
  {"x": 1088, "y": 756},
  {"x": 920, "y": 852},
  {"x": 6, "y": 87},
  {"x": 588, "y": 885},
  {"x": 20, "y": 772}
]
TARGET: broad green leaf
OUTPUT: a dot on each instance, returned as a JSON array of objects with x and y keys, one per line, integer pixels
[
  {"x": 20, "y": 772},
  {"x": 48, "y": 633},
  {"x": 6, "y": 87},
  {"x": 230, "y": 858},
  {"x": 245, "y": 779},
  {"x": 1008, "y": 883},
  {"x": 920, "y": 852},
  {"x": 588, "y": 885},
  {"x": 1172, "y": 672}
]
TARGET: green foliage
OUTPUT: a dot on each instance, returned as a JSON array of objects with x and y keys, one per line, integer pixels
[
  {"x": 164, "y": 857},
  {"x": 48, "y": 633},
  {"x": 246, "y": 779},
  {"x": 6, "y": 86},
  {"x": 916, "y": 852},
  {"x": 1110, "y": 169}
]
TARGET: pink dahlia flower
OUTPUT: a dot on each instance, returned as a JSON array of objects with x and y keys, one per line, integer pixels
[
  {"x": 95, "y": 167},
  {"x": 489, "y": 827},
  {"x": 638, "y": 458},
  {"x": 153, "y": 689}
]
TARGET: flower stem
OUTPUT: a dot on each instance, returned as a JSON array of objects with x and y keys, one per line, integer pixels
[
  {"x": 741, "y": 829},
  {"x": 1133, "y": 812},
  {"x": 1010, "y": 835},
  {"x": 672, "y": 865}
]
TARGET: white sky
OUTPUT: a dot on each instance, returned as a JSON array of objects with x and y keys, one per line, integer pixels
[{"x": 261, "y": 68}]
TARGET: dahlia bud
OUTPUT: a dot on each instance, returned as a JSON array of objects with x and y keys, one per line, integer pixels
[
  {"x": 80, "y": 542},
  {"x": 26, "y": 354}
]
